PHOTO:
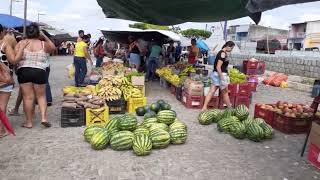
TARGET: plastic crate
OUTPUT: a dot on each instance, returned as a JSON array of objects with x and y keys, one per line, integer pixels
[
  {"x": 313, "y": 155},
  {"x": 244, "y": 89},
  {"x": 251, "y": 72},
  {"x": 244, "y": 100},
  {"x": 97, "y": 116},
  {"x": 192, "y": 102},
  {"x": 214, "y": 102},
  {"x": 267, "y": 115},
  {"x": 117, "y": 106},
  {"x": 233, "y": 89},
  {"x": 250, "y": 64},
  {"x": 173, "y": 90},
  {"x": 222, "y": 105},
  {"x": 134, "y": 103},
  {"x": 179, "y": 91},
  {"x": 289, "y": 125},
  {"x": 142, "y": 89},
  {"x": 71, "y": 117}
]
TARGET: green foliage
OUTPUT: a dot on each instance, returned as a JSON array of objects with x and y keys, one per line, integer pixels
[
  {"x": 196, "y": 33},
  {"x": 145, "y": 26}
]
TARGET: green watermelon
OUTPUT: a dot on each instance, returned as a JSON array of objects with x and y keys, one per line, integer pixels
[
  {"x": 128, "y": 123},
  {"x": 140, "y": 111},
  {"x": 113, "y": 132},
  {"x": 216, "y": 115},
  {"x": 141, "y": 130},
  {"x": 268, "y": 130},
  {"x": 155, "y": 107},
  {"x": 242, "y": 112},
  {"x": 159, "y": 126},
  {"x": 248, "y": 121},
  {"x": 160, "y": 138},
  {"x": 122, "y": 141},
  {"x": 165, "y": 106},
  {"x": 114, "y": 123},
  {"x": 90, "y": 131},
  {"x": 228, "y": 112},
  {"x": 100, "y": 140},
  {"x": 148, "y": 122},
  {"x": 166, "y": 116},
  {"x": 238, "y": 130},
  {"x": 178, "y": 136},
  {"x": 150, "y": 114},
  {"x": 147, "y": 108},
  {"x": 142, "y": 145},
  {"x": 255, "y": 132},
  {"x": 205, "y": 118},
  {"x": 160, "y": 102},
  {"x": 224, "y": 125},
  {"x": 259, "y": 121},
  {"x": 178, "y": 125}
]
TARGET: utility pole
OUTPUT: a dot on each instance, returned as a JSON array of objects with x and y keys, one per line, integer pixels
[
  {"x": 11, "y": 7},
  {"x": 25, "y": 17}
]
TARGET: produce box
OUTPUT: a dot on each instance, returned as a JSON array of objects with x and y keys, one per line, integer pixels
[
  {"x": 117, "y": 106},
  {"x": 264, "y": 113},
  {"x": 192, "y": 102},
  {"x": 97, "y": 116},
  {"x": 193, "y": 88},
  {"x": 314, "y": 155},
  {"x": 134, "y": 103},
  {"x": 72, "y": 117},
  {"x": 242, "y": 100},
  {"x": 137, "y": 80},
  {"x": 250, "y": 65},
  {"x": 233, "y": 89},
  {"x": 244, "y": 89},
  {"x": 291, "y": 125}
]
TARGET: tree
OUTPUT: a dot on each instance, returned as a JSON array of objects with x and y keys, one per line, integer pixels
[
  {"x": 145, "y": 26},
  {"x": 196, "y": 33},
  {"x": 175, "y": 29}
]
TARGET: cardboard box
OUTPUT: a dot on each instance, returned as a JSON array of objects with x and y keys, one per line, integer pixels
[
  {"x": 194, "y": 88},
  {"x": 315, "y": 134},
  {"x": 137, "y": 80}
]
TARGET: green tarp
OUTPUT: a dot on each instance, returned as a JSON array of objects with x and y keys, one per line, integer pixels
[{"x": 170, "y": 12}]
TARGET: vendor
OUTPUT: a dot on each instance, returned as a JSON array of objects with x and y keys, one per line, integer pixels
[
  {"x": 193, "y": 52},
  {"x": 171, "y": 50},
  {"x": 219, "y": 76},
  {"x": 134, "y": 50}
]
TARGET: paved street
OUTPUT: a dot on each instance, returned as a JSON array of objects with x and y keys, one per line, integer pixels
[{"x": 62, "y": 154}]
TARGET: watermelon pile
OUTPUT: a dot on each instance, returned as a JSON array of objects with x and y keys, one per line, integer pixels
[
  {"x": 238, "y": 123},
  {"x": 158, "y": 129}
]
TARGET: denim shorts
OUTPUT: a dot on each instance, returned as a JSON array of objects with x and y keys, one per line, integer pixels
[
  {"x": 135, "y": 59},
  {"x": 7, "y": 89},
  {"x": 217, "y": 82}
]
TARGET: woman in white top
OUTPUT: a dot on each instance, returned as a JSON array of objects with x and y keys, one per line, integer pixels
[{"x": 32, "y": 72}]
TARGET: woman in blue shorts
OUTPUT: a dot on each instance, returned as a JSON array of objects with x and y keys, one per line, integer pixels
[{"x": 219, "y": 76}]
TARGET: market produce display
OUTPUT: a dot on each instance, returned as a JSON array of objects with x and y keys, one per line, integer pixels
[
  {"x": 237, "y": 123},
  {"x": 292, "y": 110},
  {"x": 236, "y": 77},
  {"x": 123, "y": 132},
  {"x": 176, "y": 73}
]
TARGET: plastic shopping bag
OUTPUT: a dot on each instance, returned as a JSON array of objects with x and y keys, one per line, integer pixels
[
  {"x": 89, "y": 68},
  {"x": 71, "y": 71}
]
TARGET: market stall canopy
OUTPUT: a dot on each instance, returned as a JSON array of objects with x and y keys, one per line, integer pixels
[
  {"x": 202, "y": 45},
  {"x": 12, "y": 21},
  {"x": 121, "y": 36},
  {"x": 170, "y": 12}
]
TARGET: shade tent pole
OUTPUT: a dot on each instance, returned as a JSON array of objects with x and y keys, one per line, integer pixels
[{"x": 25, "y": 18}]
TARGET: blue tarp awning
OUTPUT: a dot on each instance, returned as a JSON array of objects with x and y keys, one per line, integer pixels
[{"x": 12, "y": 21}]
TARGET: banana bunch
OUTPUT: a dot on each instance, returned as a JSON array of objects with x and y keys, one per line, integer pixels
[
  {"x": 130, "y": 92},
  {"x": 113, "y": 66},
  {"x": 164, "y": 72},
  {"x": 174, "y": 79},
  {"x": 108, "y": 88}
]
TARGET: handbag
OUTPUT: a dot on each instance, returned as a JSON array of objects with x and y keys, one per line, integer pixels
[{"x": 5, "y": 76}]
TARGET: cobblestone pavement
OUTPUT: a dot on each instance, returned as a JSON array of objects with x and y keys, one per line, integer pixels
[{"x": 61, "y": 154}]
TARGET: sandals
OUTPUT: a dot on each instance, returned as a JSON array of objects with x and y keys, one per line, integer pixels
[
  {"x": 27, "y": 127},
  {"x": 46, "y": 124},
  {"x": 13, "y": 113}
]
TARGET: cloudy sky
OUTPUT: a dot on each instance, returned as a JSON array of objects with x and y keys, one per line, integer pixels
[{"x": 72, "y": 15}]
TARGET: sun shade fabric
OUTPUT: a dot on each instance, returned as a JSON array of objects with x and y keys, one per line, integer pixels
[
  {"x": 171, "y": 12},
  {"x": 12, "y": 21}
]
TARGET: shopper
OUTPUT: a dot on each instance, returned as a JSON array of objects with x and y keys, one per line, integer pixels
[
  {"x": 134, "y": 49},
  {"x": 171, "y": 53},
  {"x": 81, "y": 55},
  {"x": 193, "y": 52},
  {"x": 99, "y": 52},
  {"x": 153, "y": 60},
  {"x": 32, "y": 72},
  {"x": 219, "y": 76},
  {"x": 178, "y": 52},
  {"x": 80, "y": 35}
]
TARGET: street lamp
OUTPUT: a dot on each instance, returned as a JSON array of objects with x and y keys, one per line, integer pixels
[
  {"x": 40, "y": 14},
  {"x": 25, "y": 18},
  {"x": 11, "y": 5}
]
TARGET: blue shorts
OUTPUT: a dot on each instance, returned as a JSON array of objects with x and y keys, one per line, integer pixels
[
  {"x": 135, "y": 59},
  {"x": 217, "y": 81},
  {"x": 7, "y": 89}
]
